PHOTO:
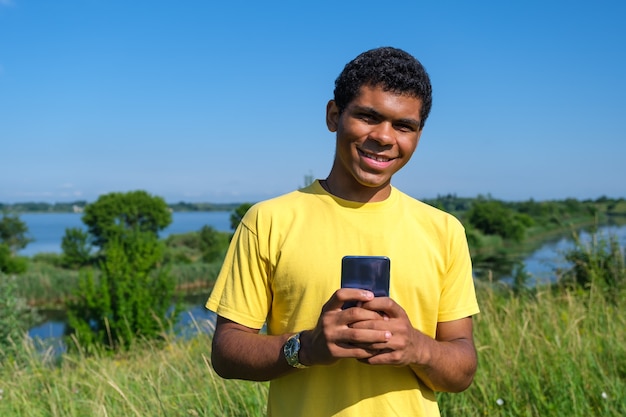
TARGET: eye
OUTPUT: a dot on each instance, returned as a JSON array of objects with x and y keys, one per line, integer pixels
[
  {"x": 405, "y": 127},
  {"x": 366, "y": 117}
]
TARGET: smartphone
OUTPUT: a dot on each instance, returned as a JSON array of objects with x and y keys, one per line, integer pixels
[{"x": 366, "y": 272}]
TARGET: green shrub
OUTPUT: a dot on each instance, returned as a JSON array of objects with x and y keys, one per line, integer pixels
[
  {"x": 76, "y": 248},
  {"x": 10, "y": 263},
  {"x": 598, "y": 264},
  {"x": 130, "y": 299}
]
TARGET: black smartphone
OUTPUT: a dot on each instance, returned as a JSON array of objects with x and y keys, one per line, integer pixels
[{"x": 366, "y": 272}]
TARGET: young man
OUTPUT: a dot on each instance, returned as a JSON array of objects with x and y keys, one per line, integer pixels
[{"x": 388, "y": 355}]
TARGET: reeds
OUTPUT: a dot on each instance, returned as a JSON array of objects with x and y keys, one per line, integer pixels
[{"x": 147, "y": 381}]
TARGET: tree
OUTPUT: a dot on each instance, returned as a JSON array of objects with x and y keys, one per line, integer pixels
[
  {"x": 213, "y": 244},
  {"x": 238, "y": 213},
  {"x": 13, "y": 237},
  {"x": 13, "y": 232},
  {"x": 131, "y": 295},
  {"x": 116, "y": 215},
  {"x": 9, "y": 263},
  {"x": 128, "y": 300},
  {"x": 493, "y": 218},
  {"x": 76, "y": 247}
]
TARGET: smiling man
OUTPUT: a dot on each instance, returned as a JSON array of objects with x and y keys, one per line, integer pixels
[{"x": 387, "y": 355}]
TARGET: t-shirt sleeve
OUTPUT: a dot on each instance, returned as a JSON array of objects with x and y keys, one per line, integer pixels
[
  {"x": 242, "y": 292},
  {"x": 458, "y": 295}
]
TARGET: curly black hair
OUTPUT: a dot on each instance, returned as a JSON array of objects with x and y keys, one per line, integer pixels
[{"x": 390, "y": 68}]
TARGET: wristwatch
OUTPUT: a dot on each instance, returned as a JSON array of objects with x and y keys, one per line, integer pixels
[{"x": 291, "y": 349}]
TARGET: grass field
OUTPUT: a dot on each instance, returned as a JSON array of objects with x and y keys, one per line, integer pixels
[{"x": 543, "y": 354}]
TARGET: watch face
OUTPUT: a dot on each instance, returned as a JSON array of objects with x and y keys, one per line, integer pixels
[{"x": 292, "y": 347}]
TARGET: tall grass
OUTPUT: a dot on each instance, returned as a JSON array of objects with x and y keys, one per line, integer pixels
[
  {"x": 148, "y": 381},
  {"x": 546, "y": 352},
  {"x": 547, "y": 355}
]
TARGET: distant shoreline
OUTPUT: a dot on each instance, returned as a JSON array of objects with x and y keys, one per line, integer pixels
[{"x": 78, "y": 207}]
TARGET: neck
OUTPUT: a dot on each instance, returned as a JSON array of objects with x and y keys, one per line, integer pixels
[{"x": 357, "y": 193}]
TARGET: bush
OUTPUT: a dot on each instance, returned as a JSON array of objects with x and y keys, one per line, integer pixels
[
  {"x": 213, "y": 244},
  {"x": 9, "y": 263},
  {"x": 494, "y": 218},
  {"x": 130, "y": 299},
  {"x": 76, "y": 248},
  {"x": 599, "y": 264}
]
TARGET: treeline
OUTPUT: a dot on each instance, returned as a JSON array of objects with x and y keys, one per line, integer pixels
[
  {"x": 612, "y": 206},
  {"x": 79, "y": 205}
]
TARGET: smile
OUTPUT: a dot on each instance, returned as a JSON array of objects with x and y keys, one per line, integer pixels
[{"x": 375, "y": 157}]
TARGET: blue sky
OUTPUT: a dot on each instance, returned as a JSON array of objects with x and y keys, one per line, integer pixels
[{"x": 224, "y": 101}]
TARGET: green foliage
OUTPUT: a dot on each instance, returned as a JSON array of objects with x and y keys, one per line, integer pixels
[
  {"x": 15, "y": 318},
  {"x": 213, "y": 244},
  {"x": 117, "y": 215},
  {"x": 492, "y": 217},
  {"x": 13, "y": 232},
  {"x": 9, "y": 263},
  {"x": 130, "y": 299},
  {"x": 12, "y": 238},
  {"x": 238, "y": 213},
  {"x": 599, "y": 264},
  {"x": 76, "y": 248},
  {"x": 450, "y": 203}
]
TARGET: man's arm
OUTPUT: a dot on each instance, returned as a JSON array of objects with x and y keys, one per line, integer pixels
[
  {"x": 446, "y": 363},
  {"x": 241, "y": 352},
  {"x": 450, "y": 362}
]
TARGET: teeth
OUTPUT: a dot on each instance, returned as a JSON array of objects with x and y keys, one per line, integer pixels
[{"x": 377, "y": 158}]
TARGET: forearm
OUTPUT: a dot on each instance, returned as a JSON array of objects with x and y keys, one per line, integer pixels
[
  {"x": 447, "y": 366},
  {"x": 248, "y": 355}
]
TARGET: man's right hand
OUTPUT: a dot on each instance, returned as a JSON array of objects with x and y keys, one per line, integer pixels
[{"x": 334, "y": 338}]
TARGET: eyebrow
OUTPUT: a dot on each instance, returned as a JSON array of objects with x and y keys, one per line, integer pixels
[{"x": 374, "y": 112}]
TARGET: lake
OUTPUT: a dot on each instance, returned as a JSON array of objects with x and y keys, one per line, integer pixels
[{"x": 48, "y": 229}]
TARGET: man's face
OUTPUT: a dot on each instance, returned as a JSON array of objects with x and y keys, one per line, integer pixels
[{"x": 377, "y": 134}]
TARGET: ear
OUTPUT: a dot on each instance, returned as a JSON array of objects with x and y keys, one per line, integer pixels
[{"x": 332, "y": 116}]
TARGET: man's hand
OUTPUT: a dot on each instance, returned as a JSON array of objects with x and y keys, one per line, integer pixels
[
  {"x": 446, "y": 363},
  {"x": 334, "y": 336}
]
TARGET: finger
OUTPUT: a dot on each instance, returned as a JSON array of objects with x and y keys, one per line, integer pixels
[
  {"x": 365, "y": 337},
  {"x": 341, "y": 296},
  {"x": 385, "y": 306}
]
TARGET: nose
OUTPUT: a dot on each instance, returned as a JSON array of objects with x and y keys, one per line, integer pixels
[{"x": 383, "y": 133}]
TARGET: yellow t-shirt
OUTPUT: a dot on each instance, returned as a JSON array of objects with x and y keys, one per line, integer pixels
[{"x": 284, "y": 263}]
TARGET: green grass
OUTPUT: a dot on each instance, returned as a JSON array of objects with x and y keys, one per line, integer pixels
[
  {"x": 549, "y": 351},
  {"x": 543, "y": 354},
  {"x": 549, "y": 354},
  {"x": 148, "y": 381}
]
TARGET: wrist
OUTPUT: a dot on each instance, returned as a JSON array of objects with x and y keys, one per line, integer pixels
[
  {"x": 292, "y": 351},
  {"x": 305, "y": 348}
]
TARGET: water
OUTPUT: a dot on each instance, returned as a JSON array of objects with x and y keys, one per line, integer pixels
[
  {"x": 48, "y": 229},
  {"x": 48, "y": 336},
  {"x": 542, "y": 265}
]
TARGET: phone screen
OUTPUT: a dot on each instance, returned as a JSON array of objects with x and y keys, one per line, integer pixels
[{"x": 366, "y": 272}]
